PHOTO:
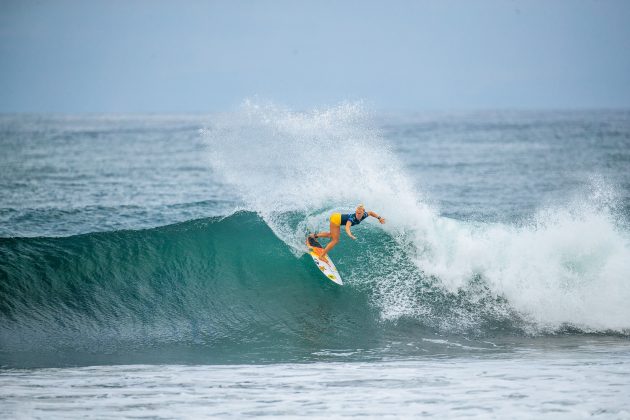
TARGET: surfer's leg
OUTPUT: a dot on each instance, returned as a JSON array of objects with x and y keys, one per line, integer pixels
[{"x": 334, "y": 238}]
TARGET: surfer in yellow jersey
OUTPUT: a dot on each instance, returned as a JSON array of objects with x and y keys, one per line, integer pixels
[{"x": 347, "y": 220}]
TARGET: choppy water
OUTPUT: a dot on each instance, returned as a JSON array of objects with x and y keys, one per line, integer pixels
[
  {"x": 569, "y": 384},
  {"x": 151, "y": 264}
]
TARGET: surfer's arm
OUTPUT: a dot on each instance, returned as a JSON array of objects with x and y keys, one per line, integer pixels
[
  {"x": 380, "y": 219},
  {"x": 348, "y": 224}
]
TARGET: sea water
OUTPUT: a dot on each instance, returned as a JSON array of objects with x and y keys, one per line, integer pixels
[{"x": 153, "y": 265}]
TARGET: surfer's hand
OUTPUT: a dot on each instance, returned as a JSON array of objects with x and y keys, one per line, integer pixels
[
  {"x": 382, "y": 220},
  {"x": 353, "y": 237}
]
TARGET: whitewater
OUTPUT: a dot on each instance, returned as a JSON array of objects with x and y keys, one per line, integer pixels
[
  {"x": 169, "y": 250},
  {"x": 567, "y": 264}
]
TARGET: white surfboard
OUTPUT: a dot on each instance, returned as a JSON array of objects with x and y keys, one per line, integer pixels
[{"x": 328, "y": 269}]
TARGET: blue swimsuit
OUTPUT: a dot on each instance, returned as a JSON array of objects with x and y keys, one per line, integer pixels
[{"x": 353, "y": 218}]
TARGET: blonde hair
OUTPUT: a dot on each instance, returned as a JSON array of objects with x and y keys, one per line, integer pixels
[{"x": 360, "y": 206}]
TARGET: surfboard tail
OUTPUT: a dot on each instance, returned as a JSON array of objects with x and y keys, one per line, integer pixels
[{"x": 326, "y": 266}]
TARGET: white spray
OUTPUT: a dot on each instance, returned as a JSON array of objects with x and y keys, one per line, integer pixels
[{"x": 570, "y": 265}]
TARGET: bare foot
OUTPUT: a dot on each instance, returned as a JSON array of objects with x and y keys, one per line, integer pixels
[{"x": 323, "y": 258}]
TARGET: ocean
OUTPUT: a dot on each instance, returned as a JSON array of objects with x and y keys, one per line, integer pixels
[{"x": 154, "y": 265}]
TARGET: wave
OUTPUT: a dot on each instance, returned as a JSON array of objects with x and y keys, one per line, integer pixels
[
  {"x": 206, "y": 281},
  {"x": 240, "y": 287},
  {"x": 209, "y": 281},
  {"x": 228, "y": 288}
]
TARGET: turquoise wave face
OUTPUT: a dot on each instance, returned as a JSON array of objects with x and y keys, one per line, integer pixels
[
  {"x": 211, "y": 290},
  {"x": 225, "y": 287}
]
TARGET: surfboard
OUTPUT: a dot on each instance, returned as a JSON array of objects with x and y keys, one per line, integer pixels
[{"x": 329, "y": 270}]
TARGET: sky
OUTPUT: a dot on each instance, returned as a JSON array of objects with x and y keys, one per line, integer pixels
[{"x": 205, "y": 56}]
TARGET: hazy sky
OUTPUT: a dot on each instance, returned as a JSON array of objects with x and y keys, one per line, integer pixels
[{"x": 188, "y": 56}]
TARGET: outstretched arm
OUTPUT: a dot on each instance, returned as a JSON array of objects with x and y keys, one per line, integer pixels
[
  {"x": 380, "y": 219},
  {"x": 348, "y": 224}
]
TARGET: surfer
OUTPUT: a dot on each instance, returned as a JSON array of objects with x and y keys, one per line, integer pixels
[{"x": 347, "y": 220}]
